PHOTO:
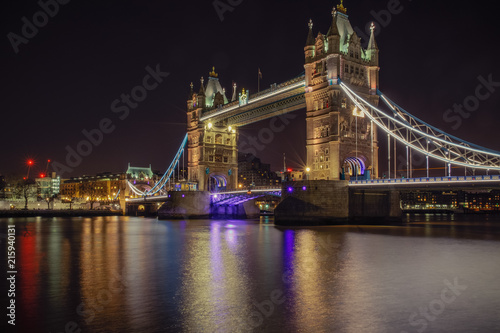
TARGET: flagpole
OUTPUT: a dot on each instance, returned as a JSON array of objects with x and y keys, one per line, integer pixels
[{"x": 258, "y": 81}]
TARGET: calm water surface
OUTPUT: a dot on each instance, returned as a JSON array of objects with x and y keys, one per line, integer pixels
[{"x": 124, "y": 274}]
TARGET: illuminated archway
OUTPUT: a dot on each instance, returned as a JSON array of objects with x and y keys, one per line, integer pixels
[
  {"x": 217, "y": 183},
  {"x": 354, "y": 166}
]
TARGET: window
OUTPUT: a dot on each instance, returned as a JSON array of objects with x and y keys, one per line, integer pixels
[
  {"x": 346, "y": 68},
  {"x": 362, "y": 72},
  {"x": 352, "y": 53},
  {"x": 218, "y": 139},
  {"x": 210, "y": 158},
  {"x": 357, "y": 70},
  {"x": 357, "y": 55},
  {"x": 209, "y": 139},
  {"x": 327, "y": 151},
  {"x": 226, "y": 159},
  {"x": 228, "y": 141},
  {"x": 352, "y": 69}
]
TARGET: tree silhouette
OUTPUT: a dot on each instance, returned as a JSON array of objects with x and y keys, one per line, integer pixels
[{"x": 25, "y": 189}]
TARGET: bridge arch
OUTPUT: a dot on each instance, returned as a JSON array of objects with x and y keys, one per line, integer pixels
[
  {"x": 354, "y": 165},
  {"x": 216, "y": 182}
]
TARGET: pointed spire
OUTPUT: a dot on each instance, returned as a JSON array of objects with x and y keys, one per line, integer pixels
[
  {"x": 202, "y": 88},
  {"x": 372, "y": 44},
  {"x": 334, "y": 30},
  {"x": 310, "y": 37}
]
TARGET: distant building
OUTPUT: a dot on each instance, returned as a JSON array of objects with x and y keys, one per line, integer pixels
[
  {"x": 470, "y": 200},
  {"x": 103, "y": 186},
  {"x": 139, "y": 173},
  {"x": 252, "y": 172},
  {"x": 48, "y": 186},
  {"x": 6, "y": 189}
]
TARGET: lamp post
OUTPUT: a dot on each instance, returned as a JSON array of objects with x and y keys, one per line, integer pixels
[{"x": 307, "y": 172}]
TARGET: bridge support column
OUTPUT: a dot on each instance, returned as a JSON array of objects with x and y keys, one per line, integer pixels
[
  {"x": 186, "y": 205},
  {"x": 374, "y": 206},
  {"x": 313, "y": 202},
  {"x": 332, "y": 202}
]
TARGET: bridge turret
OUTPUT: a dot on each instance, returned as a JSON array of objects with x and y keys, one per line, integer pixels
[
  {"x": 309, "y": 51},
  {"x": 192, "y": 98},
  {"x": 333, "y": 35},
  {"x": 339, "y": 139},
  {"x": 372, "y": 54},
  {"x": 201, "y": 94}
]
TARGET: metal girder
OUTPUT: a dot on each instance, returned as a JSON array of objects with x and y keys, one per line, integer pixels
[
  {"x": 279, "y": 99},
  {"x": 158, "y": 187},
  {"x": 424, "y": 138}
]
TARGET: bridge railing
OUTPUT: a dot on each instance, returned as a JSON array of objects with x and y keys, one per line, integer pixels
[
  {"x": 246, "y": 190},
  {"x": 454, "y": 179}
]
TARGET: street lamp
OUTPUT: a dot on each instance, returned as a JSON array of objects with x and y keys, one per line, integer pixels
[{"x": 307, "y": 172}]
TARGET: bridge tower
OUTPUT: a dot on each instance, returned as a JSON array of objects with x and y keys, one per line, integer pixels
[
  {"x": 341, "y": 143},
  {"x": 212, "y": 147}
]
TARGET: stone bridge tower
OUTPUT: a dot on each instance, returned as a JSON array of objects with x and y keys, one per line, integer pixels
[
  {"x": 341, "y": 143},
  {"x": 212, "y": 148}
]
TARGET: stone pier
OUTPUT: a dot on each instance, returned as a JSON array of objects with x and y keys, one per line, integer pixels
[
  {"x": 332, "y": 202},
  {"x": 197, "y": 205}
]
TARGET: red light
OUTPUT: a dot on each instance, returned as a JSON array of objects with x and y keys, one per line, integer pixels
[
  {"x": 289, "y": 170},
  {"x": 42, "y": 175},
  {"x": 48, "y": 161},
  {"x": 30, "y": 162},
  {"x": 24, "y": 178}
]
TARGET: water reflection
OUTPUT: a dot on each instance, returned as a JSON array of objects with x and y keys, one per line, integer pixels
[
  {"x": 143, "y": 275},
  {"x": 214, "y": 283}
]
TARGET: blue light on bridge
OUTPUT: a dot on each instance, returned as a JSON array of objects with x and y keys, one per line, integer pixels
[
  {"x": 304, "y": 188},
  {"x": 290, "y": 189}
]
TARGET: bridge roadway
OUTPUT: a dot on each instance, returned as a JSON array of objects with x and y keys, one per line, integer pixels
[
  {"x": 431, "y": 183},
  {"x": 436, "y": 183}
]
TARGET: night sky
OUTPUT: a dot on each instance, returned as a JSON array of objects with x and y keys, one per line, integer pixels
[{"x": 66, "y": 77}]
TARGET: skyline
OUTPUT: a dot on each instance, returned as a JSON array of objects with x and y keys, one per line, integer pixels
[{"x": 82, "y": 63}]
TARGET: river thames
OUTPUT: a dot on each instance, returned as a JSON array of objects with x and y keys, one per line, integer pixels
[{"x": 127, "y": 274}]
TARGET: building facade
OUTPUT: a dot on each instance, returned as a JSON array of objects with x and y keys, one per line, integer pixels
[
  {"x": 212, "y": 147},
  {"x": 340, "y": 140}
]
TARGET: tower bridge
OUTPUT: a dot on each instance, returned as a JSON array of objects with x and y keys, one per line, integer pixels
[{"x": 339, "y": 91}]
